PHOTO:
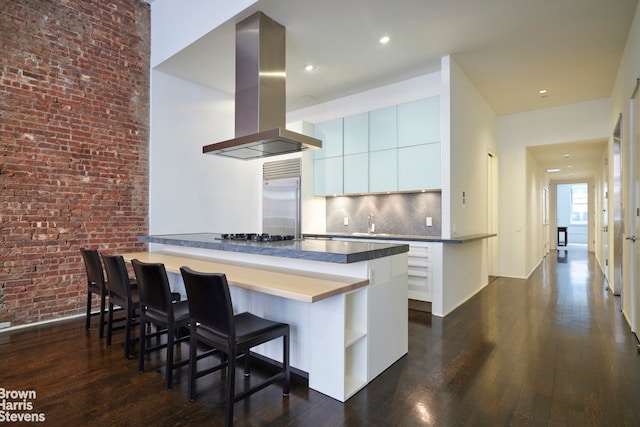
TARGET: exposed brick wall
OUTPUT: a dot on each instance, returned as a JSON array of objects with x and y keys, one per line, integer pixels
[{"x": 74, "y": 134}]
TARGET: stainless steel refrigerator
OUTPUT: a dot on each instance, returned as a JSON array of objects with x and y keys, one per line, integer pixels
[{"x": 281, "y": 198}]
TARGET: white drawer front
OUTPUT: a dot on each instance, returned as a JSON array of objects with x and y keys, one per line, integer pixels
[
  {"x": 418, "y": 272},
  {"x": 419, "y": 262}
]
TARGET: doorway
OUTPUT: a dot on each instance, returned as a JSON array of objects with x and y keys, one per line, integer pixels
[
  {"x": 572, "y": 217},
  {"x": 492, "y": 216},
  {"x": 618, "y": 212}
]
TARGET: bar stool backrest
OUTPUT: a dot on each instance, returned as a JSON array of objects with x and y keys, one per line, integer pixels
[
  {"x": 117, "y": 275},
  {"x": 153, "y": 285},
  {"x": 210, "y": 301},
  {"x": 93, "y": 266}
]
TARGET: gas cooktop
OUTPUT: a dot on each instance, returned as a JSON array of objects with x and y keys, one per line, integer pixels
[{"x": 257, "y": 237}]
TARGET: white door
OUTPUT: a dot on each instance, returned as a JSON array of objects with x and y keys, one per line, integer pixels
[{"x": 634, "y": 193}]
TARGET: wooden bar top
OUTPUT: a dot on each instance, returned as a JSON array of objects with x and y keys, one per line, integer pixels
[{"x": 297, "y": 285}]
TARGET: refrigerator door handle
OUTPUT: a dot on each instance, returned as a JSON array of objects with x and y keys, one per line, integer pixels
[{"x": 299, "y": 213}]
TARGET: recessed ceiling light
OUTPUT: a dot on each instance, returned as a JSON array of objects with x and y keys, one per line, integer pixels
[
  {"x": 309, "y": 67},
  {"x": 384, "y": 39},
  {"x": 543, "y": 91},
  {"x": 566, "y": 156},
  {"x": 554, "y": 170}
]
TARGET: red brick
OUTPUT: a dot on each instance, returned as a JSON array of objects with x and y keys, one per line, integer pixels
[{"x": 73, "y": 149}]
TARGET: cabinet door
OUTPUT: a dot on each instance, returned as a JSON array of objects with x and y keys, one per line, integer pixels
[
  {"x": 327, "y": 178},
  {"x": 419, "y": 167},
  {"x": 419, "y": 122},
  {"x": 356, "y": 173},
  {"x": 383, "y": 170},
  {"x": 330, "y": 133},
  {"x": 356, "y": 134},
  {"x": 383, "y": 133}
]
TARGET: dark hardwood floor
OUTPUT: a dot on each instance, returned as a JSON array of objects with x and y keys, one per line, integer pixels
[{"x": 553, "y": 350}]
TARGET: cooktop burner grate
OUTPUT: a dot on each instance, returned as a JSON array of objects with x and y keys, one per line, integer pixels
[{"x": 256, "y": 237}]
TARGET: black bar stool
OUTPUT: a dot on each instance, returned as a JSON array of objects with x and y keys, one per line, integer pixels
[{"x": 214, "y": 324}]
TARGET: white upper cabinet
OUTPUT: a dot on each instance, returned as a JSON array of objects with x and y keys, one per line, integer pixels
[
  {"x": 328, "y": 166},
  {"x": 383, "y": 129},
  {"x": 419, "y": 122},
  {"x": 327, "y": 176},
  {"x": 419, "y": 167},
  {"x": 390, "y": 149},
  {"x": 331, "y": 135},
  {"x": 356, "y": 134},
  {"x": 356, "y": 173},
  {"x": 383, "y": 171},
  {"x": 356, "y": 154}
]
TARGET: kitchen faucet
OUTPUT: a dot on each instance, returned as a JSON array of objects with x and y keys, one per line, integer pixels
[{"x": 371, "y": 226}]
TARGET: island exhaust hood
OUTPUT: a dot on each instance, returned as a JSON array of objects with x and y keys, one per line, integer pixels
[{"x": 260, "y": 111}]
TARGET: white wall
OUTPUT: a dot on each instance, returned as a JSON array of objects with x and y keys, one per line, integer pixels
[
  {"x": 413, "y": 89},
  {"x": 462, "y": 268},
  {"x": 628, "y": 73},
  {"x": 177, "y": 24},
  {"x": 537, "y": 243},
  {"x": 584, "y": 121},
  {"x": 473, "y": 134},
  {"x": 190, "y": 191},
  {"x": 469, "y": 134},
  {"x": 445, "y": 146},
  {"x": 599, "y": 205}
]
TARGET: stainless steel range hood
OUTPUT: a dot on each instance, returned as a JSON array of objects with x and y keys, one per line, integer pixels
[{"x": 260, "y": 95}]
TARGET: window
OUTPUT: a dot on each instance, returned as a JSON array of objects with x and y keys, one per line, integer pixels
[{"x": 579, "y": 204}]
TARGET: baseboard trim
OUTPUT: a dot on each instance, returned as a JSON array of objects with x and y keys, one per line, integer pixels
[{"x": 43, "y": 322}]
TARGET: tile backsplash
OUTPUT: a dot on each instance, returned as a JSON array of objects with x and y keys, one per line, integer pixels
[{"x": 398, "y": 213}]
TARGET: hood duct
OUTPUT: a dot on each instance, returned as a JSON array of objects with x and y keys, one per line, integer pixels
[{"x": 260, "y": 111}]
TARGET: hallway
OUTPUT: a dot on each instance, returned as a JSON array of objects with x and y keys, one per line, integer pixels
[{"x": 552, "y": 350}]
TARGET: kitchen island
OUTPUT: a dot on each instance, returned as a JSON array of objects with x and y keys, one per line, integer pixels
[{"x": 346, "y": 302}]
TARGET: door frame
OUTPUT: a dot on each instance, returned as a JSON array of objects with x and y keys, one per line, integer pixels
[{"x": 492, "y": 213}]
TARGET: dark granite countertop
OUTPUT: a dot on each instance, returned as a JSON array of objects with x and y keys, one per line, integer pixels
[
  {"x": 400, "y": 237},
  {"x": 310, "y": 249}
]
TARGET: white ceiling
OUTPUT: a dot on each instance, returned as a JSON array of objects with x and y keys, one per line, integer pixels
[
  {"x": 577, "y": 160},
  {"x": 509, "y": 49}
]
